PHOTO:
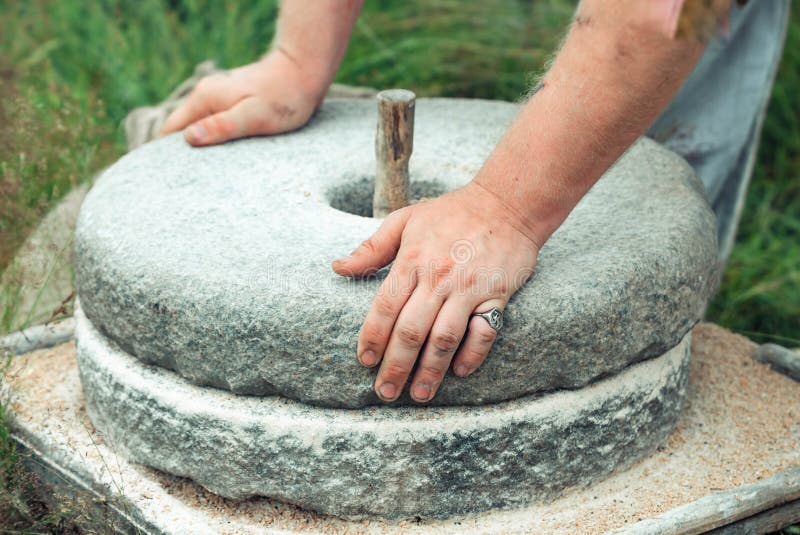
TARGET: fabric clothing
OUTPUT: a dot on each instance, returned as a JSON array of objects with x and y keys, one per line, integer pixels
[{"x": 715, "y": 120}]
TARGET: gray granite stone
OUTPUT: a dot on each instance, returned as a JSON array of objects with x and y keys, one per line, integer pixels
[
  {"x": 386, "y": 462},
  {"x": 215, "y": 262},
  {"x": 725, "y": 408}
]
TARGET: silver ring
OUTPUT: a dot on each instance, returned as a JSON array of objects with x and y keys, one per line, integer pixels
[{"x": 493, "y": 317}]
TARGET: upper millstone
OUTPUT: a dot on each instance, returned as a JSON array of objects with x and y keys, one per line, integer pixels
[{"x": 215, "y": 262}]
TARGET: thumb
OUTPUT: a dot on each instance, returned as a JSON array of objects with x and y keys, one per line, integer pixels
[
  {"x": 239, "y": 120},
  {"x": 378, "y": 250}
]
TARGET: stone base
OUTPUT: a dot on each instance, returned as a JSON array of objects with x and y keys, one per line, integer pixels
[
  {"x": 389, "y": 462},
  {"x": 741, "y": 425}
]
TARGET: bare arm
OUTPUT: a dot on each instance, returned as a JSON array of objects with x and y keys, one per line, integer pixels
[
  {"x": 615, "y": 73},
  {"x": 617, "y": 70},
  {"x": 315, "y": 36},
  {"x": 279, "y": 92}
]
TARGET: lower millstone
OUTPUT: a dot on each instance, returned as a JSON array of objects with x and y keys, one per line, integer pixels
[{"x": 390, "y": 462}]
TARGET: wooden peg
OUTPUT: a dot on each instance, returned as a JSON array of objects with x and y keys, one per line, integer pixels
[{"x": 394, "y": 141}]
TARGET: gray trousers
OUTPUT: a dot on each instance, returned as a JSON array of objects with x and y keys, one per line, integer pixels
[{"x": 715, "y": 120}]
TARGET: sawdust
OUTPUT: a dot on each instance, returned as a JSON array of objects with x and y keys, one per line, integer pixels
[{"x": 741, "y": 424}]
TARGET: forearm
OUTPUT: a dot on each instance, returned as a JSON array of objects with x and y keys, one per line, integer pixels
[
  {"x": 315, "y": 36},
  {"x": 613, "y": 76}
]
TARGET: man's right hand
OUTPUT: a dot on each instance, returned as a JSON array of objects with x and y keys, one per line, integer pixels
[{"x": 271, "y": 96}]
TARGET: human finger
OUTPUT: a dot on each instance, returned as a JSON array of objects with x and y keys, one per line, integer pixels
[
  {"x": 408, "y": 335},
  {"x": 378, "y": 250},
  {"x": 392, "y": 295},
  {"x": 478, "y": 341},
  {"x": 444, "y": 338}
]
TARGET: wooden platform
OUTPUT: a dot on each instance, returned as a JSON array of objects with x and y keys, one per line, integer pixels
[{"x": 733, "y": 464}]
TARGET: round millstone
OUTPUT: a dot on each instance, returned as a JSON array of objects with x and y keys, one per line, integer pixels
[
  {"x": 215, "y": 262},
  {"x": 391, "y": 462}
]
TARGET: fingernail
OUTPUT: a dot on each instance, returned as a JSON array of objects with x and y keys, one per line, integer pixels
[
  {"x": 462, "y": 371},
  {"x": 369, "y": 358},
  {"x": 196, "y": 133},
  {"x": 387, "y": 391},
  {"x": 422, "y": 392}
]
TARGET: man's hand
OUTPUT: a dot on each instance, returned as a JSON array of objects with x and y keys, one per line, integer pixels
[
  {"x": 461, "y": 253},
  {"x": 614, "y": 74},
  {"x": 268, "y": 97},
  {"x": 280, "y": 92}
]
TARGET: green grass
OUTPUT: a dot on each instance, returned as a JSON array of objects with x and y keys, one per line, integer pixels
[
  {"x": 22, "y": 508},
  {"x": 70, "y": 72},
  {"x": 73, "y": 71}
]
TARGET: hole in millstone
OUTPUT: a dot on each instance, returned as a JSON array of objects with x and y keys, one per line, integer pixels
[{"x": 355, "y": 197}]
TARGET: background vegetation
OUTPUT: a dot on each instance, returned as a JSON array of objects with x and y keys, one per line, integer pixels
[{"x": 70, "y": 71}]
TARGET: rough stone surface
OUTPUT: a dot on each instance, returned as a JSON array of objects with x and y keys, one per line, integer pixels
[
  {"x": 215, "y": 262},
  {"x": 379, "y": 461},
  {"x": 39, "y": 278},
  {"x": 729, "y": 434}
]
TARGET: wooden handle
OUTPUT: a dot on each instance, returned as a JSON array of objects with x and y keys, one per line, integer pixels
[{"x": 394, "y": 141}]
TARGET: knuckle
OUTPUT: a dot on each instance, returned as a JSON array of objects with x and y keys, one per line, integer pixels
[
  {"x": 397, "y": 284},
  {"x": 487, "y": 337},
  {"x": 473, "y": 358},
  {"x": 439, "y": 275},
  {"x": 369, "y": 245},
  {"x": 497, "y": 283},
  {"x": 487, "y": 281},
  {"x": 398, "y": 276},
  {"x": 395, "y": 372},
  {"x": 484, "y": 334},
  {"x": 444, "y": 265},
  {"x": 384, "y": 305},
  {"x": 372, "y": 334},
  {"x": 219, "y": 126},
  {"x": 411, "y": 255},
  {"x": 411, "y": 335},
  {"x": 430, "y": 374},
  {"x": 446, "y": 341},
  {"x": 475, "y": 280}
]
